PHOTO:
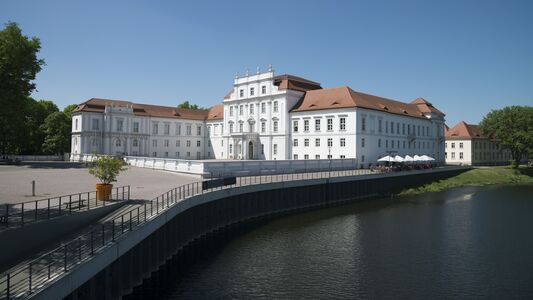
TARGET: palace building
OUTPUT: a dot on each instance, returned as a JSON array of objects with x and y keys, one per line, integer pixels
[
  {"x": 466, "y": 145},
  {"x": 264, "y": 117}
]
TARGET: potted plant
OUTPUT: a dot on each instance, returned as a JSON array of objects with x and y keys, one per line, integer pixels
[{"x": 106, "y": 168}]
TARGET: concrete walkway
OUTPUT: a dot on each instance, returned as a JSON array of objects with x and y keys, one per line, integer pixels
[{"x": 62, "y": 178}]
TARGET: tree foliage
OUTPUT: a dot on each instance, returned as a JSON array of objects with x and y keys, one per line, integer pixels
[
  {"x": 56, "y": 127},
  {"x": 18, "y": 67},
  {"x": 187, "y": 105},
  {"x": 107, "y": 168},
  {"x": 513, "y": 127}
]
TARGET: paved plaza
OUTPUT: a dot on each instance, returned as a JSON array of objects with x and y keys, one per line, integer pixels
[{"x": 62, "y": 178}]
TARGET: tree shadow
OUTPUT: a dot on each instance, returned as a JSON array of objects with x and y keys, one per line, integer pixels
[
  {"x": 54, "y": 165},
  {"x": 528, "y": 171}
]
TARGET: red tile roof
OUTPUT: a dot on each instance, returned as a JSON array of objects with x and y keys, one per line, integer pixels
[
  {"x": 98, "y": 105},
  {"x": 216, "y": 112},
  {"x": 345, "y": 97},
  {"x": 464, "y": 130},
  {"x": 291, "y": 82}
]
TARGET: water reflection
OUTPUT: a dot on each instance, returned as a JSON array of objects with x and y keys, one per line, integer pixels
[{"x": 463, "y": 243}]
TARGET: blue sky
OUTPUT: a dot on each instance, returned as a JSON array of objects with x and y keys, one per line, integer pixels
[{"x": 466, "y": 57}]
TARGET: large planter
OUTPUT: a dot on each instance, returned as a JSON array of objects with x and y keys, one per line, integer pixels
[{"x": 103, "y": 191}]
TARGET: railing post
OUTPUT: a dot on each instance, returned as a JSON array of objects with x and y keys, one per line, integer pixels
[
  {"x": 29, "y": 275},
  {"x": 103, "y": 233},
  {"x": 145, "y": 212},
  {"x": 122, "y": 194},
  {"x": 22, "y": 215},
  {"x": 35, "y": 211},
  {"x": 112, "y": 229},
  {"x": 65, "y": 258},
  {"x": 70, "y": 204},
  {"x": 128, "y": 192},
  {"x": 79, "y": 201},
  {"x": 48, "y": 267},
  {"x": 60, "y": 205},
  {"x": 122, "y": 224},
  {"x": 92, "y": 242},
  {"x": 8, "y": 285},
  {"x": 130, "y": 220},
  {"x": 7, "y": 215}
]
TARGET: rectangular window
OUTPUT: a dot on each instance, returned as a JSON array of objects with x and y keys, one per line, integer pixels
[
  {"x": 240, "y": 127},
  {"x": 330, "y": 124},
  {"x": 275, "y": 149},
  {"x": 362, "y": 158},
  {"x": 461, "y": 145},
  {"x": 188, "y": 143},
  {"x": 166, "y": 154},
  {"x": 263, "y": 126},
  {"x": 154, "y": 143},
  {"x": 136, "y": 127},
  {"x": 330, "y": 142},
  {"x": 263, "y": 89},
  {"x": 197, "y": 143},
  {"x": 306, "y": 142},
  {"x": 76, "y": 124},
  {"x": 306, "y": 156},
  {"x": 166, "y": 129},
  {"x": 317, "y": 125},
  {"x": 263, "y": 108},
  {"x": 330, "y": 156},
  {"x": 188, "y": 154},
  {"x": 231, "y": 111},
  {"x": 295, "y": 156},
  {"x": 230, "y": 127},
  {"x": 178, "y": 129},
  {"x": 96, "y": 124},
  {"x": 392, "y": 127},
  {"x": 453, "y": 155},
  {"x": 177, "y": 155},
  {"x": 295, "y": 126},
  {"x": 343, "y": 156},
  {"x": 241, "y": 93},
  {"x": 295, "y": 143},
  {"x": 252, "y": 109},
  {"x": 343, "y": 142},
  {"x": 240, "y": 110},
  {"x": 154, "y": 154},
  {"x": 453, "y": 145},
  {"x": 386, "y": 126},
  {"x": 199, "y": 130},
  {"x": 155, "y": 128},
  {"x": 306, "y": 125},
  {"x": 166, "y": 143},
  {"x": 188, "y": 129},
  {"x": 317, "y": 156},
  {"x": 252, "y": 90},
  {"x": 119, "y": 125},
  {"x": 387, "y": 144},
  {"x": 397, "y": 128},
  {"x": 379, "y": 126},
  {"x": 262, "y": 148},
  {"x": 461, "y": 155},
  {"x": 342, "y": 124},
  {"x": 317, "y": 142},
  {"x": 275, "y": 106},
  {"x": 230, "y": 148},
  {"x": 379, "y": 143},
  {"x": 275, "y": 126},
  {"x": 362, "y": 142},
  {"x": 177, "y": 143},
  {"x": 403, "y": 128}
]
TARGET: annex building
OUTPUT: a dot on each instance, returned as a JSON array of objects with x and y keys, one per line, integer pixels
[
  {"x": 466, "y": 145},
  {"x": 264, "y": 117}
]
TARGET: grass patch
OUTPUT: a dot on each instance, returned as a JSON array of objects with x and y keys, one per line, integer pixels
[{"x": 477, "y": 177}]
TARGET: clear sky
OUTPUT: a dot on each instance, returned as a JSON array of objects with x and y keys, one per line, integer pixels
[{"x": 466, "y": 57}]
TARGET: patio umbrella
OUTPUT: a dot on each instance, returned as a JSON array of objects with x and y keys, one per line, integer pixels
[
  {"x": 408, "y": 159},
  {"x": 399, "y": 158},
  {"x": 418, "y": 158},
  {"x": 387, "y": 158},
  {"x": 427, "y": 158}
]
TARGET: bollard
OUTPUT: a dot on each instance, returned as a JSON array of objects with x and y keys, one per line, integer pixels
[{"x": 33, "y": 188}]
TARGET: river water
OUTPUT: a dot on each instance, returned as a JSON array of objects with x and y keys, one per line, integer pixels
[{"x": 474, "y": 242}]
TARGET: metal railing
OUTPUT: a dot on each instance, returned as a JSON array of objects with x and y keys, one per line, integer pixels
[
  {"x": 30, "y": 276},
  {"x": 23, "y": 213}
]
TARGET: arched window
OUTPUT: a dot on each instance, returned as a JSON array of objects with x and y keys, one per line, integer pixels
[{"x": 118, "y": 143}]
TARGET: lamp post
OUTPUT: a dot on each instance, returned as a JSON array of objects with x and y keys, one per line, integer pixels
[{"x": 329, "y": 158}]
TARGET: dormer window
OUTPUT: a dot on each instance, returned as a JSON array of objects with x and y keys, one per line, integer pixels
[
  {"x": 241, "y": 93},
  {"x": 252, "y": 90}
]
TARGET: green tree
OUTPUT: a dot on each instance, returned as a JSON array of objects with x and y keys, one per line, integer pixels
[
  {"x": 68, "y": 110},
  {"x": 56, "y": 127},
  {"x": 18, "y": 66},
  {"x": 187, "y": 105},
  {"x": 513, "y": 127},
  {"x": 34, "y": 135}
]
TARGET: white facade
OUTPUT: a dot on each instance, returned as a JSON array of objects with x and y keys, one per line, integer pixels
[
  {"x": 475, "y": 152},
  {"x": 258, "y": 124}
]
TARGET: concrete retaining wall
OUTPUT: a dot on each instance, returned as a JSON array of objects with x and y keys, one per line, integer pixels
[{"x": 133, "y": 258}]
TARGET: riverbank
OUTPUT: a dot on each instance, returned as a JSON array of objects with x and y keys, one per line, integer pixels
[{"x": 478, "y": 176}]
